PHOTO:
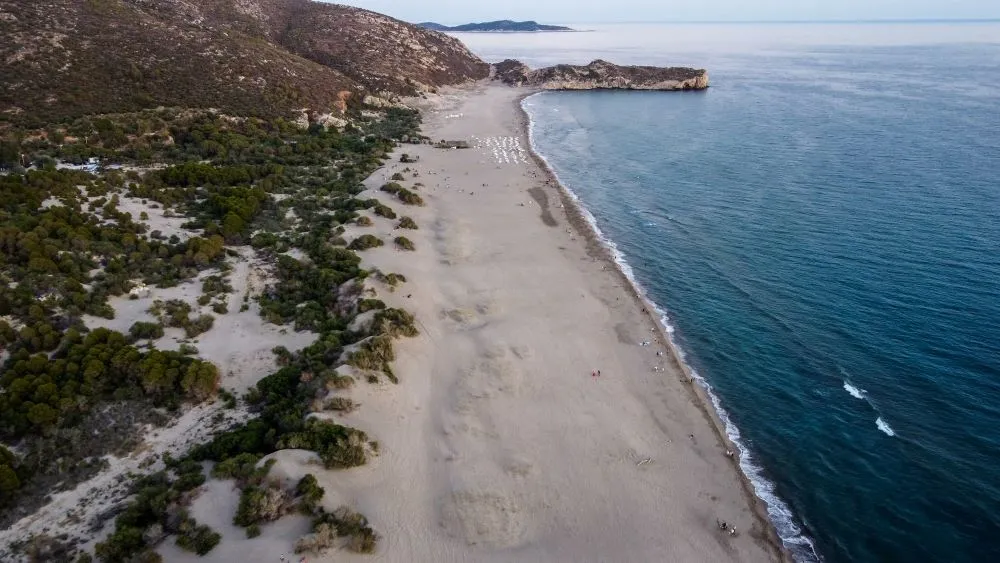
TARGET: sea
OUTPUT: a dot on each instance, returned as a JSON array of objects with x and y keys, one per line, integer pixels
[{"x": 821, "y": 230}]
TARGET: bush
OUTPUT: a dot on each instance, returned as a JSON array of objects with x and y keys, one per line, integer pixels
[
  {"x": 404, "y": 243},
  {"x": 338, "y": 446},
  {"x": 398, "y": 177},
  {"x": 365, "y": 242},
  {"x": 340, "y": 404},
  {"x": 310, "y": 492},
  {"x": 220, "y": 308},
  {"x": 243, "y": 468},
  {"x": 394, "y": 323},
  {"x": 261, "y": 504},
  {"x": 363, "y": 221},
  {"x": 407, "y": 223},
  {"x": 345, "y": 523},
  {"x": 408, "y": 197},
  {"x": 384, "y": 211},
  {"x": 199, "y": 539},
  {"x": 145, "y": 331},
  {"x": 374, "y": 354},
  {"x": 406, "y": 158},
  {"x": 198, "y": 326}
]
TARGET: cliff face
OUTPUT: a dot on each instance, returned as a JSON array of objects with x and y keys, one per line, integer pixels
[
  {"x": 601, "y": 75},
  {"x": 65, "y": 58}
]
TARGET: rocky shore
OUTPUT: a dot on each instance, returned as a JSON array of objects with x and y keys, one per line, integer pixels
[{"x": 600, "y": 74}]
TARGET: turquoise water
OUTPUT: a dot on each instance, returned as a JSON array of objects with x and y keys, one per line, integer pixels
[{"x": 822, "y": 228}]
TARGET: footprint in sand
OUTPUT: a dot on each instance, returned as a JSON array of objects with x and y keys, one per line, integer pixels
[
  {"x": 453, "y": 242},
  {"x": 489, "y": 307},
  {"x": 495, "y": 375},
  {"x": 486, "y": 518},
  {"x": 463, "y": 319},
  {"x": 519, "y": 468}
]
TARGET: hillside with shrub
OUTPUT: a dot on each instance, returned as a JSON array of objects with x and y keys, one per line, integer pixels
[{"x": 67, "y": 58}]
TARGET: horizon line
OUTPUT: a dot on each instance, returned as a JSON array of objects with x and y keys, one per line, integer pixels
[{"x": 833, "y": 21}]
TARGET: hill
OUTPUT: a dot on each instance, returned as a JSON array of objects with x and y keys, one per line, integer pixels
[
  {"x": 496, "y": 26},
  {"x": 67, "y": 58}
]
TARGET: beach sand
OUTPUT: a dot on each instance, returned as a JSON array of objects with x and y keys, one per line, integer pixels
[{"x": 499, "y": 443}]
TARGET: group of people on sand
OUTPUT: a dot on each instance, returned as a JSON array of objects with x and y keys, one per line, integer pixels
[{"x": 726, "y": 527}]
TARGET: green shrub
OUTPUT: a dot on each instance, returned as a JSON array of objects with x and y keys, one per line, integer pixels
[
  {"x": 347, "y": 523},
  {"x": 340, "y": 404},
  {"x": 404, "y": 243},
  {"x": 198, "y": 326},
  {"x": 407, "y": 223},
  {"x": 365, "y": 242},
  {"x": 374, "y": 354},
  {"x": 339, "y": 447},
  {"x": 394, "y": 323},
  {"x": 385, "y": 211},
  {"x": 398, "y": 177},
  {"x": 243, "y": 468},
  {"x": 310, "y": 493},
  {"x": 141, "y": 330},
  {"x": 408, "y": 197},
  {"x": 220, "y": 308},
  {"x": 366, "y": 305},
  {"x": 363, "y": 221},
  {"x": 197, "y": 538},
  {"x": 391, "y": 187}
]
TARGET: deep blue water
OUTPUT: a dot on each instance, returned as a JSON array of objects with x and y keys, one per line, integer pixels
[{"x": 823, "y": 228}]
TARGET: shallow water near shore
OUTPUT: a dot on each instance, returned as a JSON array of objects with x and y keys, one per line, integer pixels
[{"x": 820, "y": 227}]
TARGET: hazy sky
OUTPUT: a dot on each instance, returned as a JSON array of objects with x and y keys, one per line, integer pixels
[{"x": 597, "y": 11}]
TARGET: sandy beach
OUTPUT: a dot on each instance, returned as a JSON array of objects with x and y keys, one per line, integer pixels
[{"x": 500, "y": 443}]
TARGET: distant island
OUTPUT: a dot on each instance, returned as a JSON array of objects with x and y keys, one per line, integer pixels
[{"x": 496, "y": 26}]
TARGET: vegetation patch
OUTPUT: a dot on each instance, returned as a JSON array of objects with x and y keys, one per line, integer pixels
[
  {"x": 384, "y": 211},
  {"x": 404, "y": 243},
  {"x": 342, "y": 524},
  {"x": 407, "y": 223},
  {"x": 235, "y": 180},
  {"x": 156, "y": 510},
  {"x": 402, "y": 194},
  {"x": 177, "y": 314},
  {"x": 364, "y": 242}
]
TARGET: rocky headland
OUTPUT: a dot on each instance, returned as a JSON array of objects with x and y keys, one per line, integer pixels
[
  {"x": 600, "y": 74},
  {"x": 499, "y": 26}
]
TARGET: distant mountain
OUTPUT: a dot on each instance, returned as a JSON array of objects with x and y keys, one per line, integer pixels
[
  {"x": 496, "y": 26},
  {"x": 66, "y": 58}
]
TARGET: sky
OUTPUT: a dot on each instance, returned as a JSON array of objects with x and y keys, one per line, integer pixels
[{"x": 612, "y": 11}]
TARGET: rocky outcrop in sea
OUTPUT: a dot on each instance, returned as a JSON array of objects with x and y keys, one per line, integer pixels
[{"x": 600, "y": 74}]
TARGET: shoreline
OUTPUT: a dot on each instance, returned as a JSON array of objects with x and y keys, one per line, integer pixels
[{"x": 598, "y": 248}]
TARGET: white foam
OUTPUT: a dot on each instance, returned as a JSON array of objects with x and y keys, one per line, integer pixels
[
  {"x": 781, "y": 516},
  {"x": 884, "y": 426},
  {"x": 854, "y": 391}
]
